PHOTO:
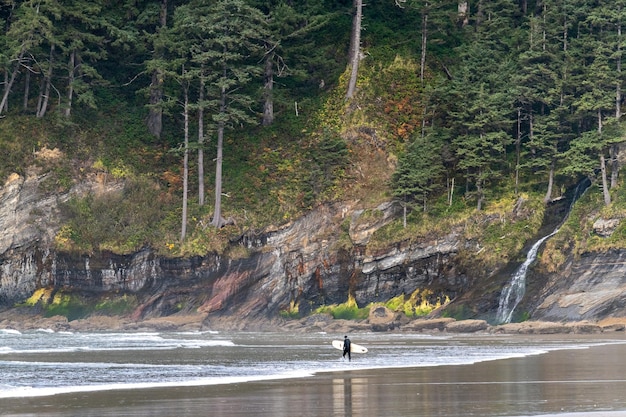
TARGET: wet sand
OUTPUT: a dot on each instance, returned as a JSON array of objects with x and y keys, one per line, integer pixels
[{"x": 567, "y": 383}]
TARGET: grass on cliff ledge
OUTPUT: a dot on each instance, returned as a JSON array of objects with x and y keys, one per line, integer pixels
[
  {"x": 418, "y": 304},
  {"x": 498, "y": 233},
  {"x": 346, "y": 311},
  {"x": 577, "y": 235},
  {"x": 73, "y": 307}
]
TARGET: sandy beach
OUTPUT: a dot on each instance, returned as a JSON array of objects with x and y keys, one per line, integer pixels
[{"x": 566, "y": 383}]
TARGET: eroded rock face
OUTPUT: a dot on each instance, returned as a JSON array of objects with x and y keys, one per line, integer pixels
[
  {"x": 29, "y": 220},
  {"x": 304, "y": 264},
  {"x": 593, "y": 287},
  {"x": 26, "y": 221},
  {"x": 295, "y": 265}
]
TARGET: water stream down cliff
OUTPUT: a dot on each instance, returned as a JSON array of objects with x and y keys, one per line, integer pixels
[{"x": 515, "y": 290}]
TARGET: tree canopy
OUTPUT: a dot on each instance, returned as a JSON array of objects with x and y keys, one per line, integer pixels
[{"x": 528, "y": 89}]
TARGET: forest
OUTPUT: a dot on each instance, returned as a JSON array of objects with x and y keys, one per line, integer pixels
[{"x": 248, "y": 113}]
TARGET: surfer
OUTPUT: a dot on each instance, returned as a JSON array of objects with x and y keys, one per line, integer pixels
[{"x": 346, "y": 348}]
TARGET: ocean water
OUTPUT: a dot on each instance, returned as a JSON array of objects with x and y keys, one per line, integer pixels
[{"x": 45, "y": 363}]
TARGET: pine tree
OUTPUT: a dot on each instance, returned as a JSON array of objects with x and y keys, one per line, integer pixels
[
  {"x": 418, "y": 174},
  {"x": 230, "y": 42},
  {"x": 82, "y": 44},
  {"x": 30, "y": 26}
]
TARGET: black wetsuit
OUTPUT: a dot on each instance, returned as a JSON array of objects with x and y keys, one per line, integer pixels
[{"x": 346, "y": 348}]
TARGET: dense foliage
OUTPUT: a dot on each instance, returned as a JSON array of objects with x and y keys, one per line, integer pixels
[{"x": 465, "y": 100}]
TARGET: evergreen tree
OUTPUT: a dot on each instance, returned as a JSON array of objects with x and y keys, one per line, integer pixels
[
  {"x": 29, "y": 26},
  {"x": 481, "y": 102},
  {"x": 595, "y": 103},
  {"x": 82, "y": 44},
  {"x": 418, "y": 174},
  {"x": 227, "y": 40}
]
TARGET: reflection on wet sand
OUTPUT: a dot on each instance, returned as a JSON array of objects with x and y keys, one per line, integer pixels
[
  {"x": 588, "y": 381},
  {"x": 347, "y": 390}
]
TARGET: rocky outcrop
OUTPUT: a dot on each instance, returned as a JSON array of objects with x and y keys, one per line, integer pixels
[
  {"x": 313, "y": 261},
  {"x": 298, "y": 265},
  {"x": 590, "y": 288}
]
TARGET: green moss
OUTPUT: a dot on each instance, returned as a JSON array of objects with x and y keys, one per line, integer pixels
[
  {"x": 66, "y": 305},
  {"x": 292, "y": 312},
  {"x": 116, "y": 306},
  {"x": 420, "y": 303},
  {"x": 347, "y": 311}
]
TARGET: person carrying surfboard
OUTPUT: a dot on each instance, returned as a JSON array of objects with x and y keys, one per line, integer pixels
[{"x": 346, "y": 348}]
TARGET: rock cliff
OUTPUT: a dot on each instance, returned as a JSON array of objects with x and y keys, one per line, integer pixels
[{"x": 302, "y": 264}]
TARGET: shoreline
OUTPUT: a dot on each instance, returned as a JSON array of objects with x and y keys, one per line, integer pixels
[
  {"x": 16, "y": 319},
  {"x": 569, "y": 382}
]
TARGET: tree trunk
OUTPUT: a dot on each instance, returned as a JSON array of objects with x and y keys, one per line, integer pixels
[
  {"x": 404, "y": 213},
  {"x": 618, "y": 108},
  {"x": 605, "y": 186},
  {"x": 463, "y": 12},
  {"x": 217, "y": 215},
  {"x": 70, "y": 83},
  {"x": 614, "y": 153},
  {"x": 155, "y": 112},
  {"x": 183, "y": 230},
  {"x": 450, "y": 191},
  {"x": 201, "y": 143},
  {"x": 355, "y": 47},
  {"x": 26, "y": 90},
  {"x": 424, "y": 40},
  {"x": 8, "y": 83},
  {"x": 518, "y": 141},
  {"x": 44, "y": 96},
  {"x": 548, "y": 196},
  {"x": 268, "y": 104},
  {"x": 618, "y": 89},
  {"x": 479, "y": 193}
]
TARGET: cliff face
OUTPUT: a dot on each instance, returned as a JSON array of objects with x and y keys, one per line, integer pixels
[
  {"x": 302, "y": 264},
  {"x": 591, "y": 287}
]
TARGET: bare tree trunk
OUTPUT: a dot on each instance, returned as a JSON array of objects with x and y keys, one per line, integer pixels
[
  {"x": 618, "y": 109},
  {"x": 44, "y": 90},
  {"x": 42, "y": 87},
  {"x": 217, "y": 215},
  {"x": 8, "y": 83},
  {"x": 183, "y": 230},
  {"x": 355, "y": 47},
  {"x": 201, "y": 143},
  {"x": 614, "y": 154},
  {"x": 424, "y": 39},
  {"x": 44, "y": 96},
  {"x": 404, "y": 213},
  {"x": 5, "y": 104},
  {"x": 548, "y": 197},
  {"x": 450, "y": 191},
  {"x": 463, "y": 12},
  {"x": 268, "y": 104},
  {"x": 26, "y": 90},
  {"x": 155, "y": 112},
  {"x": 618, "y": 89},
  {"x": 479, "y": 192},
  {"x": 518, "y": 141},
  {"x": 605, "y": 187},
  {"x": 70, "y": 84}
]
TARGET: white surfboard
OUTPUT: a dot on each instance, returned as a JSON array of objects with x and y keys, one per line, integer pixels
[{"x": 354, "y": 348}]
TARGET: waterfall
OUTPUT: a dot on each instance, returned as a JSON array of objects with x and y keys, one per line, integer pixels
[
  {"x": 514, "y": 291},
  {"x": 517, "y": 287}
]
